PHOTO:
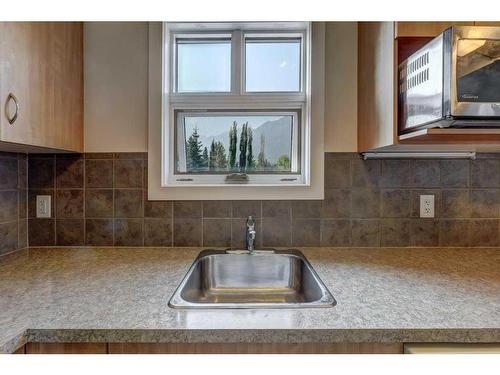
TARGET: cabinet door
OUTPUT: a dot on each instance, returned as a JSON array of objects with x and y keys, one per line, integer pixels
[
  {"x": 66, "y": 348},
  {"x": 41, "y": 65},
  {"x": 429, "y": 29}
]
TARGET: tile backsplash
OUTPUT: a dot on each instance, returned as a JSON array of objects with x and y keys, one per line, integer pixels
[
  {"x": 101, "y": 200},
  {"x": 13, "y": 194}
]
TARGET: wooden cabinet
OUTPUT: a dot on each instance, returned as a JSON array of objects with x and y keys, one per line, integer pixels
[
  {"x": 66, "y": 348},
  {"x": 376, "y": 77},
  {"x": 243, "y": 348},
  {"x": 41, "y": 67}
]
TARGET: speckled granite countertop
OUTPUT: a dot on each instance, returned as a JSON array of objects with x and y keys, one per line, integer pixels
[{"x": 121, "y": 294}]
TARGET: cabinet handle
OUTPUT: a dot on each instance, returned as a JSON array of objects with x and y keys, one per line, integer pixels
[{"x": 12, "y": 119}]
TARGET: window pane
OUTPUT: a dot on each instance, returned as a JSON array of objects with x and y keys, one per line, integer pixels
[
  {"x": 230, "y": 143},
  {"x": 272, "y": 65},
  {"x": 203, "y": 66}
]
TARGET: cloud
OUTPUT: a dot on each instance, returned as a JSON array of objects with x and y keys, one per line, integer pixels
[{"x": 283, "y": 64}]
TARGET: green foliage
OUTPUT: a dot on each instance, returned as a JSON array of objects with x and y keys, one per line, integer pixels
[
  {"x": 204, "y": 158},
  {"x": 217, "y": 158},
  {"x": 250, "y": 159},
  {"x": 243, "y": 147},
  {"x": 233, "y": 140},
  {"x": 194, "y": 157},
  {"x": 262, "y": 163},
  {"x": 283, "y": 162}
]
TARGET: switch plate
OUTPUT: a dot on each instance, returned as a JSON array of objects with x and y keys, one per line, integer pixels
[
  {"x": 427, "y": 206},
  {"x": 43, "y": 206}
]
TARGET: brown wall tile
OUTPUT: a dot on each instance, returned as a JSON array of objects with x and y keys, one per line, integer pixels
[
  {"x": 243, "y": 209},
  {"x": 455, "y": 173},
  {"x": 41, "y": 172},
  {"x": 395, "y": 173},
  {"x": 99, "y": 232},
  {"x": 455, "y": 203},
  {"x": 424, "y": 232},
  {"x": 158, "y": 232},
  {"x": 8, "y": 205},
  {"x": 337, "y": 171},
  {"x": 8, "y": 173},
  {"x": 276, "y": 209},
  {"x": 128, "y": 203},
  {"x": 276, "y": 231},
  {"x": 69, "y": 204},
  {"x": 365, "y": 232},
  {"x": 395, "y": 232},
  {"x": 306, "y": 232},
  {"x": 306, "y": 209},
  {"x": 454, "y": 233},
  {"x": 484, "y": 232},
  {"x": 98, "y": 173},
  {"x": 98, "y": 203},
  {"x": 396, "y": 203},
  {"x": 157, "y": 209},
  {"x": 69, "y": 172},
  {"x": 41, "y": 232},
  {"x": 336, "y": 233},
  {"x": 366, "y": 173},
  {"x": 187, "y": 232},
  {"x": 219, "y": 209},
  {"x": 128, "y": 232},
  {"x": 217, "y": 232},
  {"x": 425, "y": 173},
  {"x": 337, "y": 203},
  {"x": 365, "y": 203},
  {"x": 187, "y": 209},
  {"x": 8, "y": 237},
  {"x": 484, "y": 203},
  {"x": 485, "y": 173},
  {"x": 69, "y": 232},
  {"x": 128, "y": 173}
]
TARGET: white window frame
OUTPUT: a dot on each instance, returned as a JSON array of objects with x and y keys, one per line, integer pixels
[{"x": 235, "y": 101}]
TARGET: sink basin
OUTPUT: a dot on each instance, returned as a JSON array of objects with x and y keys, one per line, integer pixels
[{"x": 262, "y": 279}]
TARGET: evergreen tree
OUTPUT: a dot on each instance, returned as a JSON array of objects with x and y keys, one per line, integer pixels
[
  {"x": 262, "y": 163},
  {"x": 250, "y": 159},
  {"x": 243, "y": 147},
  {"x": 204, "y": 158},
  {"x": 212, "y": 164},
  {"x": 233, "y": 140},
  {"x": 220, "y": 156},
  {"x": 193, "y": 151}
]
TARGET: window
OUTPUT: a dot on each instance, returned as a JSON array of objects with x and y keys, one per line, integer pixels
[{"x": 235, "y": 104}]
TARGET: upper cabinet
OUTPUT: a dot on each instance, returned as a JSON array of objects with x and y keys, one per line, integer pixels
[
  {"x": 41, "y": 85},
  {"x": 424, "y": 29}
]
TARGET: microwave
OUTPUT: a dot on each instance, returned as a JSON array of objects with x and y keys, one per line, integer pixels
[{"x": 452, "y": 81}]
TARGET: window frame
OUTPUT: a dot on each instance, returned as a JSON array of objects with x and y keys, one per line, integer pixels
[{"x": 237, "y": 100}]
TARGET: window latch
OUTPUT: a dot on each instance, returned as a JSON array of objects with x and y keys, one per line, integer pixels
[{"x": 236, "y": 178}]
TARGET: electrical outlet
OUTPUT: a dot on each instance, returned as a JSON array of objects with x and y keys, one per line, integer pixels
[
  {"x": 43, "y": 205},
  {"x": 427, "y": 206}
]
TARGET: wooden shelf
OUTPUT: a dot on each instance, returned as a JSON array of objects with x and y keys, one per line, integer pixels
[{"x": 452, "y": 136}]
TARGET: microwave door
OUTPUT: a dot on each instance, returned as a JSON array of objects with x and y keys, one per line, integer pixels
[{"x": 477, "y": 83}]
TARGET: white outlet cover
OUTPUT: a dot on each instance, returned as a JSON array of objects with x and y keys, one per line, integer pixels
[
  {"x": 427, "y": 206},
  {"x": 43, "y": 206}
]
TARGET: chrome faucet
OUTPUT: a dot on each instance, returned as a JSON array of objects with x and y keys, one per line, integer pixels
[{"x": 250, "y": 233}]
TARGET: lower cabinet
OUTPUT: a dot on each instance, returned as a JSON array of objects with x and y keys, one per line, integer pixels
[
  {"x": 226, "y": 348},
  {"x": 66, "y": 348}
]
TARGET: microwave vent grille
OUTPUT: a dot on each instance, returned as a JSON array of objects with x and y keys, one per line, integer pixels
[{"x": 414, "y": 73}]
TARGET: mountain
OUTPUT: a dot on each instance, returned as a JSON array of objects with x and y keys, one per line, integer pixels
[{"x": 277, "y": 139}]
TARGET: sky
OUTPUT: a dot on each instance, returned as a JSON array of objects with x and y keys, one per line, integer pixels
[{"x": 270, "y": 66}]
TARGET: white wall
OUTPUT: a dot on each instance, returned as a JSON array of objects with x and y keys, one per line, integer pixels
[
  {"x": 116, "y": 92},
  {"x": 116, "y": 86}
]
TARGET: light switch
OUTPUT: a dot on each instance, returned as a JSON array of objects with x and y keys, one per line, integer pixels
[{"x": 43, "y": 206}]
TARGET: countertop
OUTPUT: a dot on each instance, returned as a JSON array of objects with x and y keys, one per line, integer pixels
[{"x": 121, "y": 295}]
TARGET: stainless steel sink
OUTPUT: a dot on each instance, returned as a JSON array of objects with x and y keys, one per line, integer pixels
[{"x": 251, "y": 279}]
